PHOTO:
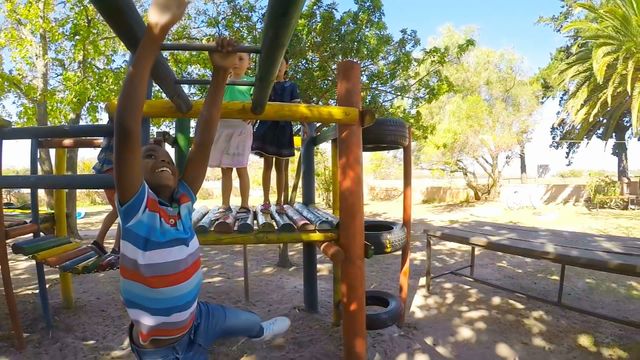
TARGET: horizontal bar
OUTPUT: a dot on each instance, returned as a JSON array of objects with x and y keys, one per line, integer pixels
[
  {"x": 252, "y": 49},
  {"x": 630, "y": 323},
  {"x": 70, "y": 143},
  {"x": 88, "y": 181},
  {"x": 123, "y": 18},
  {"x": 326, "y": 135},
  {"x": 51, "y": 132},
  {"x": 454, "y": 271},
  {"x": 275, "y": 111},
  {"x": 212, "y": 238},
  {"x": 20, "y": 230},
  {"x": 208, "y": 81}
]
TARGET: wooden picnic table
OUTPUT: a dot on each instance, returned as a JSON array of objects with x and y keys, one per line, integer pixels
[{"x": 607, "y": 253}]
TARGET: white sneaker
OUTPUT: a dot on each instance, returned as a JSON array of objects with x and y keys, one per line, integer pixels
[{"x": 274, "y": 327}]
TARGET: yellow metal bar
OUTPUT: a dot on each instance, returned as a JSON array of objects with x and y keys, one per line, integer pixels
[
  {"x": 60, "y": 210},
  {"x": 242, "y": 110},
  {"x": 55, "y": 251},
  {"x": 212, "y": 238}
]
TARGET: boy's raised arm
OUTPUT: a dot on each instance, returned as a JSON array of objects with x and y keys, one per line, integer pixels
[
  {"x": 163, "y": 14},
  {"x": 198, "y": 158}
]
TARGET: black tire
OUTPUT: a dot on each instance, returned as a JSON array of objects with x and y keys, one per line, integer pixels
[
  {"x": 385, "y": 134},
  {"x": 385, "y": 237},
  {"x": 391, "y": 313}
]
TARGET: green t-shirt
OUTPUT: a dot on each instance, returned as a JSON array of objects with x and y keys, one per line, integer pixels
[{"x": 239, "y": 93}]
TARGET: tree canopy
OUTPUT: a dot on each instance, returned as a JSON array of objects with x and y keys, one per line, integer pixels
[{"x": 485, "y": 119}]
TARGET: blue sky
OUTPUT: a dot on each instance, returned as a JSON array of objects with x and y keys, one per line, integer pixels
[{"x": 500, "y": 23}]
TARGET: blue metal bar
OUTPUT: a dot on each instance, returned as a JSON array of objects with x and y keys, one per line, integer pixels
[
  {"x": 35, "y": 218},
  {"x": 56, "y": 132},
  {"x": 310, "y": 268},
  {"x": 88, "y": 181}
]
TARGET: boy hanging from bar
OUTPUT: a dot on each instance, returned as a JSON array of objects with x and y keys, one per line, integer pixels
[{"x": 160, "y": 274}]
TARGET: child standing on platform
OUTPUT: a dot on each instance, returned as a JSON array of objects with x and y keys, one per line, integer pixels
[
  {"x": 273, "y": 140},
  {"x": 232, "y": 144},
  {"x": 160, "y": 273}
]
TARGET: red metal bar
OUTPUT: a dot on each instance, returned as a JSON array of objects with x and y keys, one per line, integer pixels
[
  {"x": 333, "y": 252},
  {"x": 70, "y": 143},
  {"x": 351, "y": 231},
  {"x": 300, "y": 221},
  {"x": 20, "y": 230},
  {"x": 406, "y": 220}
]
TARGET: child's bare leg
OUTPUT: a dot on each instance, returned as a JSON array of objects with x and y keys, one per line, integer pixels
[
  {"x": 116, "y": 244},
  {"x": 227, "y": 185},
  {"x": 266, "y": 178},
  {"x": 286, "y": 181},
  {"x": 243, "y": 176},
  {"x": 280, "y": 175},
  {"x": 108, "y": 221}
]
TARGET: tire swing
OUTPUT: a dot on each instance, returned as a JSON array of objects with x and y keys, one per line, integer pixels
[
  {"x": 383, "y": 237},
  {"x": 385, "y": 134}
]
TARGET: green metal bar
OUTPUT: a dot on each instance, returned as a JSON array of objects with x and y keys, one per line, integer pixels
[
  {"x": 183, "y": 142},
  {"x": 212, "y": 238},
  {"x": 280, "y": 21}
]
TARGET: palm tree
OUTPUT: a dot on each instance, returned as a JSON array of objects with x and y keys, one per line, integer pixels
[{"x": 600, "y": 72}]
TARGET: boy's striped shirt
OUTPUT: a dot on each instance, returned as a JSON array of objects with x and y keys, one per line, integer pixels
[{"x": 160, "y": 273}]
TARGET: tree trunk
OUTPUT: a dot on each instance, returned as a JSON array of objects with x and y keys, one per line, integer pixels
[
  {"x": 621, "y": 153},
  {"x": 42, "y": 111},
  {"x": 72, "y": 168},
  {"x": 471, "y": 180},
  {"x": 523, "y": 165}
]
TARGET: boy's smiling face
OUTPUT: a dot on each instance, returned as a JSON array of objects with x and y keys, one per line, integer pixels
[{"x": 160, "y": 173}]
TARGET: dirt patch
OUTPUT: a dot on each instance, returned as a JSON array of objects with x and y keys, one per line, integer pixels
[{"x": 459, "y": 319}]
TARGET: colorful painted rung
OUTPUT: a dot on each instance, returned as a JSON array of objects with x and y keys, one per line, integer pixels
[
  {"x": 300, "y": 221},
  {"x": 55, "y": 251},
  {"x": 318, "y": 221},
  {"x": 88, "y": 266},
  {"x": 264, "y": 221},
  {"x": 66, "y": 267},
  {"x": 283, "y": 222},
  {"x": 334, "y": 220},
  {"x": 57, "y": 260},
  {"x": 45, "y": 243},
  {"x": 199, "y": 214}
]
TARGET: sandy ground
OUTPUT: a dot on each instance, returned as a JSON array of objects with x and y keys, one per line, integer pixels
[{"x": 458, "y": 320}]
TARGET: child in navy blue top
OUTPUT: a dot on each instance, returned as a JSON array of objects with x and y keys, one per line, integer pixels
[{"x": 274, "y": 140}]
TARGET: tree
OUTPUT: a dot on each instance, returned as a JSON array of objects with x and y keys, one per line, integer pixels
[
  {"x": 62, "y": 65},
  {"x": 596, "y": 74},
  {"x": 487, "y": 117}
]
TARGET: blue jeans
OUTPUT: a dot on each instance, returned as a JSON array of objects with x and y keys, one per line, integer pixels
[{"x": 212, "y": 322}]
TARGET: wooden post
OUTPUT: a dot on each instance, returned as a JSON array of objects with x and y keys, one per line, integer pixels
[
  {"x": 405, "y": 264},
  {"x": 351, "y": 231}
]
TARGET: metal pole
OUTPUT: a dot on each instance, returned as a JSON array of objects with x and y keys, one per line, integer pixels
[
  {"x": 472, "y": 264},
  {"x": 85, "y": 181},
  {"x": 351, "y": 231},
  {"x": 35, "y": 218},
  {"x": 561, "y": 287},
  {"x": 183, "y": 142},
  {"x": 60, "y": 207},
  {"x": 310, "y": 267}
]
